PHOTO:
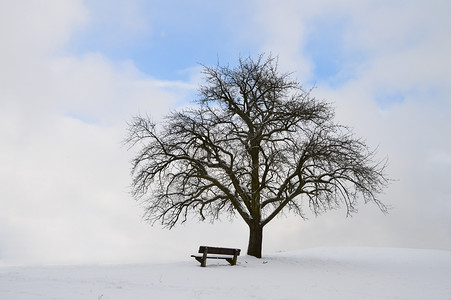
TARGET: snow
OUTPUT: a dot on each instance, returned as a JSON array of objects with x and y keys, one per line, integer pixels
[{"x": 319, "y": 273}]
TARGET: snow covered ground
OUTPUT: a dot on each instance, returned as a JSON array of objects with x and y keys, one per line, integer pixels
[{"x": 320, "y": 273}]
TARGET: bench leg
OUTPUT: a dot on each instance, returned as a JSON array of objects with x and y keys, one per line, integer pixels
[
  {"x": 199, "y": 259},
  {"x": 203, "y": 263},
  {"x": 232, "y": 261}
]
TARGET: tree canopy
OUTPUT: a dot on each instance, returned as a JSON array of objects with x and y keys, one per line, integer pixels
[{"x": 254, "y": 144}]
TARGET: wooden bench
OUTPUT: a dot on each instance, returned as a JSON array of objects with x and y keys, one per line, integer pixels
[{"x": 229, "y": 254}]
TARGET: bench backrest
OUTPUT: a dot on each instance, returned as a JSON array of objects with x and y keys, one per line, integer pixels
[{"x": 217, "y": 250}]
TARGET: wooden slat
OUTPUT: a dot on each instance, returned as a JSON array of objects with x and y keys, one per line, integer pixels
[{"x": 217, "y": 250}]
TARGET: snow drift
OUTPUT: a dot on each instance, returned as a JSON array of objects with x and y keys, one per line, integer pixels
[{"x": 320, "y": 273}]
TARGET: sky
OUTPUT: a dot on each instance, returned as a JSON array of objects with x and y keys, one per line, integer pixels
[{"x": 74, "y": 72}]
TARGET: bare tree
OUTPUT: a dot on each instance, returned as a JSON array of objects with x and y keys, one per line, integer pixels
[{"x": 256, "y": 144}]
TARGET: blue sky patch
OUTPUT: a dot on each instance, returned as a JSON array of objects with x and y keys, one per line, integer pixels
[
  {"x": 173, "y": 37},
  {"x": 334, "y": 62},
  {"x": 386, "y": 99}
]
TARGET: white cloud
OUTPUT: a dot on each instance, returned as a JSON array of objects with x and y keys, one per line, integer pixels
[
  {"x": 31, "y": 28},
  {"x": 65, "y": 174},
  {"x": 399, "y": 100}
]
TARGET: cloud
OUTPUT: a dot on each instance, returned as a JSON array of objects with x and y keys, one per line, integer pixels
[
  {"x": 65, "y": 174},
  {"x": 38, "y": 27},
  {"x": 397, "y": 98}
]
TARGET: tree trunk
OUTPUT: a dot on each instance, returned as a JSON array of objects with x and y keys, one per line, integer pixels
[{"x": 255, "y": 240}]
